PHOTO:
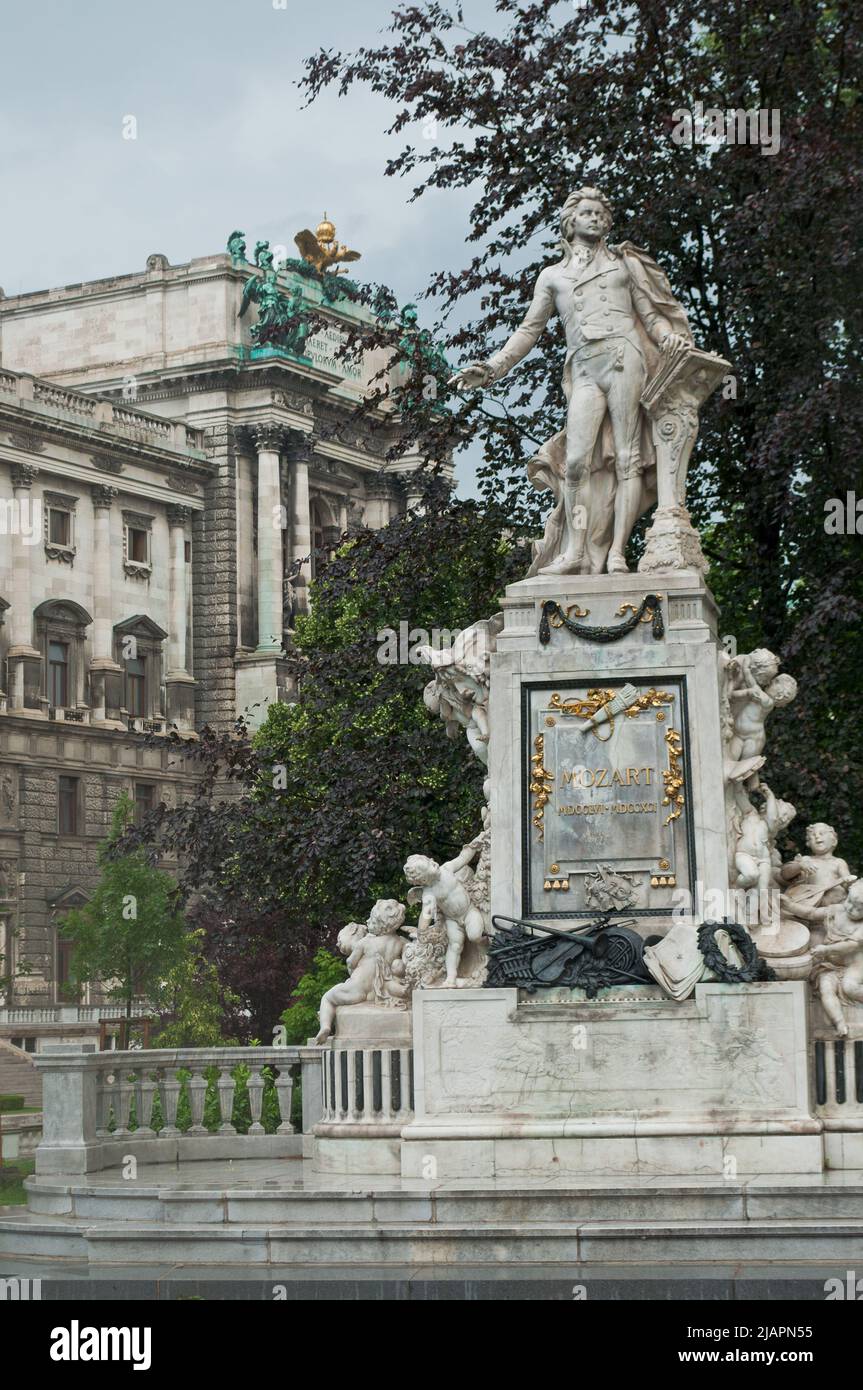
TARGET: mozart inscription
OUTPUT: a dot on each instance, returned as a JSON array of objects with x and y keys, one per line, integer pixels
[{"x": 606, "y": 793}]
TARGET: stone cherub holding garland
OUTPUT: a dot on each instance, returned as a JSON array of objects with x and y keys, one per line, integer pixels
[{"x": 374, "y": 951}]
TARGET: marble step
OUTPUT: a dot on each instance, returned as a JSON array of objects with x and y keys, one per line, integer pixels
[
  {"x": 658, "y": 1243},
  {"x": 276, "y": 1204}
]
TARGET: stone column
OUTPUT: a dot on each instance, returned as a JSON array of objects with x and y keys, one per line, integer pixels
[
  {"x": 24, "y": 659},
  {"x": 268, "y": 439},
  {"x": 179, "y": 685},
  {"x": 379, "y": 491},
  {"x": 300, "y": 450},
  {"x": 102, "y": 663}
]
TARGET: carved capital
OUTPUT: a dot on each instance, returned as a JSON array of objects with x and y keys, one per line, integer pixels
[
  {"x": 23, "y": 475},
  {"x": 381, "y": 486},
  {"x": 242, "y": 438},
  {"x": 178, "y": 515},
  {"x": 102, "y": 494},
  {"x": 268, "y": 435},
  {"x": 299, "y": 447}
]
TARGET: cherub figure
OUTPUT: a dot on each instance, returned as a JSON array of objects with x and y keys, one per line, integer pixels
[
  {"x": 818, "y": 880},
  {"x": 459, "y": 691},
  {"x": 838, "y": 974},
  {"x": 374, "y": 952},
  {"x": 446, "y": 897},
  {"x": 753, "y": 863},
  {"x": 755, "y": 689}
]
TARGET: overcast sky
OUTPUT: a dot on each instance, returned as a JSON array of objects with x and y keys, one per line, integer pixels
[{"x": 221, "y": 141}]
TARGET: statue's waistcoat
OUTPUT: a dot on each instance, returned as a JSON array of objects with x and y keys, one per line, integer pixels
[{"x": 597, "y": 304}]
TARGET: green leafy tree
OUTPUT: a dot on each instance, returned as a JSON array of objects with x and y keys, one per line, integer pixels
[
  {"x": 338, "y": 788},
  {"x": 195, "y": 1002},
  {"x": 130, "y": 935},
  {"x": 759, "y": 243}
]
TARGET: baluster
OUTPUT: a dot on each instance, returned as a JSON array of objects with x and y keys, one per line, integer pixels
[
  {"x": 104, "y": 1098},
  {"x": 368, "y": 1086},
  {"x": 146, "y": 1096},
  {"x": 325, "y": 1089},
  {"x": 405, "y": 1079},
  {"x": 170, "y": 1089},
  {"x": 352, "y": 1105},
  {"x": 197, "y": 1094},
  {"x": 386, "y": 1083},
  {"x": 256, "y": 1099},
  {"x": 284, "y": 1093},
  {"x": 226, "y": 1086},
  {"x": 830, "y": 1071},
  {"x": 125, "y": 1090}
]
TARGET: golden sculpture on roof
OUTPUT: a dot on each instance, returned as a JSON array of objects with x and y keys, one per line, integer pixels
[{"x": 321, "y": 249}]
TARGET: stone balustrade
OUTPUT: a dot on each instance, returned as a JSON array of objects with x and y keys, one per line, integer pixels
[
  {"x": 836, "y": 1069},
  {"x": 100, "y": 1108},
  {"x": 59, "y": 398},
  {"x": 21, "y": 1015},
  {"x": 46, "y": 397},
  {"x": 139, "y": 423},
  {"x": 366, "y": 1086}
]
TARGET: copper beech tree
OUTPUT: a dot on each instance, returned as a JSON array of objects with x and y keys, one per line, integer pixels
[{"x": 727, "y": 135}]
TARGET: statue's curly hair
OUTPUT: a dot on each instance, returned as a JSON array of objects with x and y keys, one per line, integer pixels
[{"x": 572, "y": 202}]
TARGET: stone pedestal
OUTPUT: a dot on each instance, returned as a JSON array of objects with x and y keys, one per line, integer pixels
[
  {"x": 366, "y": 1091},
  {"x": 630, "y": 1083},
  {"x": 672, "y": 543},
  {"x": 640, "y": 795}
]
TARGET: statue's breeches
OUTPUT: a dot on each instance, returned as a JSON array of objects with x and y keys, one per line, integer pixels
[{"x": 605, "y": 377}]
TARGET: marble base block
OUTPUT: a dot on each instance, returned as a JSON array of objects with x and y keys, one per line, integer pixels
[{"x": 716, "y": 1085}]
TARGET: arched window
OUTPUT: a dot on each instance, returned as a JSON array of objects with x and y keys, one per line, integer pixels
[
  {"x": 325, "y": 532},
  {"x": 61, "y": 629}
]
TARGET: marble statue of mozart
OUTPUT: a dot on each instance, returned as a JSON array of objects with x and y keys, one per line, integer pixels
[{"x": 620, "y": 321}]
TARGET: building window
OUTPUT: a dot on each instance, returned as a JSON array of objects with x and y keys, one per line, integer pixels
[
  {"x": 67, "y": 990},
  {"x": 138, "y": 653},
  {"x": 68, "y": 806},
  {"x": 136, "y": 688},
  {"x": 59, "y": 526},
  {"x": 143, "y": 800},
  {"x": 61, "y": 626},
  {"x": 137, "y": 548},
  {"x": 58, "y": 674}
]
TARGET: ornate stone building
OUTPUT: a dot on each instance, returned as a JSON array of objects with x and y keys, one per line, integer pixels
[{"x": 165, "y": 481}]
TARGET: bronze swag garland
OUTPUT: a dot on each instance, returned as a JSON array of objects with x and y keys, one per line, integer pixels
[{"x": 649, "y": 607}]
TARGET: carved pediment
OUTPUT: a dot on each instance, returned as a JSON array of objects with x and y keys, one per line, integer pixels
[
  {"x": 71, "y": 896},
  {"x": 141, "y": 626},
  {"x": 63, "y": 611}
]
